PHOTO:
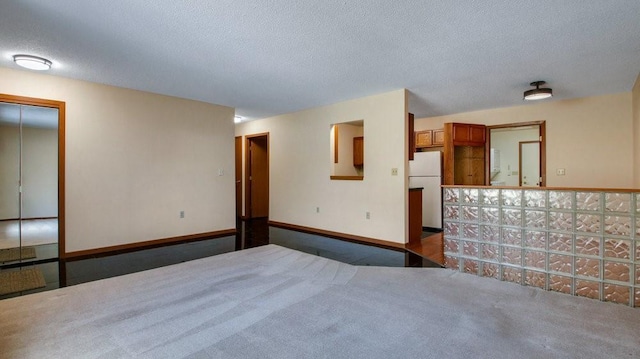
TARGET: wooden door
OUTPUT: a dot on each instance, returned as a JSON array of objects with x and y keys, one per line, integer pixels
[
  {"x": 238, "y": 144},
  {"x": 412, "y": 137},
  {"x": 358, "y": 151},
  {"x": 257, "y": 176}
]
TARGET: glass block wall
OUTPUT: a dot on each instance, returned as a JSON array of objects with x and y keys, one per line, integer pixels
[{"x": 576, "y": 242}]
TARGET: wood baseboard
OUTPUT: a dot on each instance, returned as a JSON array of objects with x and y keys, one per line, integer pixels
[
  {"x": 341, "y": 236},
  {"x": 130, "y": 247}
]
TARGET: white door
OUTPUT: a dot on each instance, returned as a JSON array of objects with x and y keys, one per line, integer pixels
[{"x": 530, "y": 164}]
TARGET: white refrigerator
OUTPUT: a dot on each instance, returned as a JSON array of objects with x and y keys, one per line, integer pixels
[{"x": 426, "y": 171}]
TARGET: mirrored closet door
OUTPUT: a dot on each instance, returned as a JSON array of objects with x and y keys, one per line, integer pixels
[{"x": 28, "y": 183}]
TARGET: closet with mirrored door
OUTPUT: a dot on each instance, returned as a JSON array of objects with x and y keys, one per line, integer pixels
[{"x": 29, "y": 188}]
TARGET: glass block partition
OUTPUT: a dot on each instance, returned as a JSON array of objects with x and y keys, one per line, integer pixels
[{"x": 578, "y": 242}]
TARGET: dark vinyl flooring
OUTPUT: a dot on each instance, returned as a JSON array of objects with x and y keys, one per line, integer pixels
[{"x": 250, "y": 234}]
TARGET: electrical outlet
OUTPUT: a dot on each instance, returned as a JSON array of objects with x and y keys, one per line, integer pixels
[
  {"x": 394, "y": 171},
  {"x": 181, "y": 214},
  {"x": 560, "y": 172},
  {"x": 368, "y": 215}
]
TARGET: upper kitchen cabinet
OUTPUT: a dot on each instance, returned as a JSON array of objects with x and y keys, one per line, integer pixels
[
  {"x": 429, "y": 138},
  {"x": 438, "y": 137},
  {"x": 424, "y": 138},
  {"x": 463, "y": 134}
]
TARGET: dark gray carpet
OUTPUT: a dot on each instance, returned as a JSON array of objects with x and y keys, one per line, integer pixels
[{"x": 273, "y": 302}]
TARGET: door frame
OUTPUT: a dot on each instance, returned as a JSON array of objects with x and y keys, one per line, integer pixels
[
  {"x": 60, "y": 105},
  {"x": 543, "y": 148},
  {"x": 247, "y": 186}
]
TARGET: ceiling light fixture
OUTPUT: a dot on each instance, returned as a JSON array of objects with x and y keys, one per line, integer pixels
[
  {"x": 538, "y": 93},
  {"x": 32, "y": 62},
  {"x": 237, "y": 119}
]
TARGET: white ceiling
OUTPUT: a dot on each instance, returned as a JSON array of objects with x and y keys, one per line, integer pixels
[{"x": 272, "y": 57}]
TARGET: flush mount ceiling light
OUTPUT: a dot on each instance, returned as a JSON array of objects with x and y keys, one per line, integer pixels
[
  {"x": 32, "y": 62},
  {"x": 237, "y": 119},
  {"x": 538, "y": 93}
]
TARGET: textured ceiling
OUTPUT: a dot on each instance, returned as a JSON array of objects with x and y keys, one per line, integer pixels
[{"x": 272, "y": 57}]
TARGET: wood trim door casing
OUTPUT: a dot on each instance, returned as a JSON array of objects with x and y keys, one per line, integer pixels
[
  {"x": 60, "y": 105},
  {"x": 247, "y": 170}
]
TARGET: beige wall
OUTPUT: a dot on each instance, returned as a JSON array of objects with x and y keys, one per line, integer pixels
[
  {"x": 135, "y": 159},
  {"x": 300, "y": 168},
  {"x": 39, "y": 172},
  {"x": 591, "y": 138},
  {"x": 636, "y": 126}
]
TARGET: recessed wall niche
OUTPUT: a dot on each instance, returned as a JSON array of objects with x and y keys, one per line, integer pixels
[{"x": 346, "y": 150}]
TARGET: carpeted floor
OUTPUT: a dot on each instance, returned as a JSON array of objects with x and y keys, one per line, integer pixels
[{"x": 273, "y": 302}]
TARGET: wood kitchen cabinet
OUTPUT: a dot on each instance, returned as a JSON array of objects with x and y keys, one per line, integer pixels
[
  {"x": 468, "y": 168},
  {"x": 429, "y": 138},
  {"x": 438, "y": 137},
  {"x": 464, "y": 154},
  {"x": 424, "y": 138},
  {"x": 358, "y": 151},
  {"x": 415, "y": 215},
  {"x": 468, "y": 134}
]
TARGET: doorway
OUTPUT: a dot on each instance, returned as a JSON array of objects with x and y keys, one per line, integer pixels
[
  {"x": 507, "y": 165},
  {"x": 257, "y": 176},
  {"x": 31, "y": 179}
]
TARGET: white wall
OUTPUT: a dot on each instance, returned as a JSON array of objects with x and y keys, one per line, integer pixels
[
  {"x": 299, "y": 174},
  {"x": 135, "y": 159},
  {"x": 591, "y": 138}
]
